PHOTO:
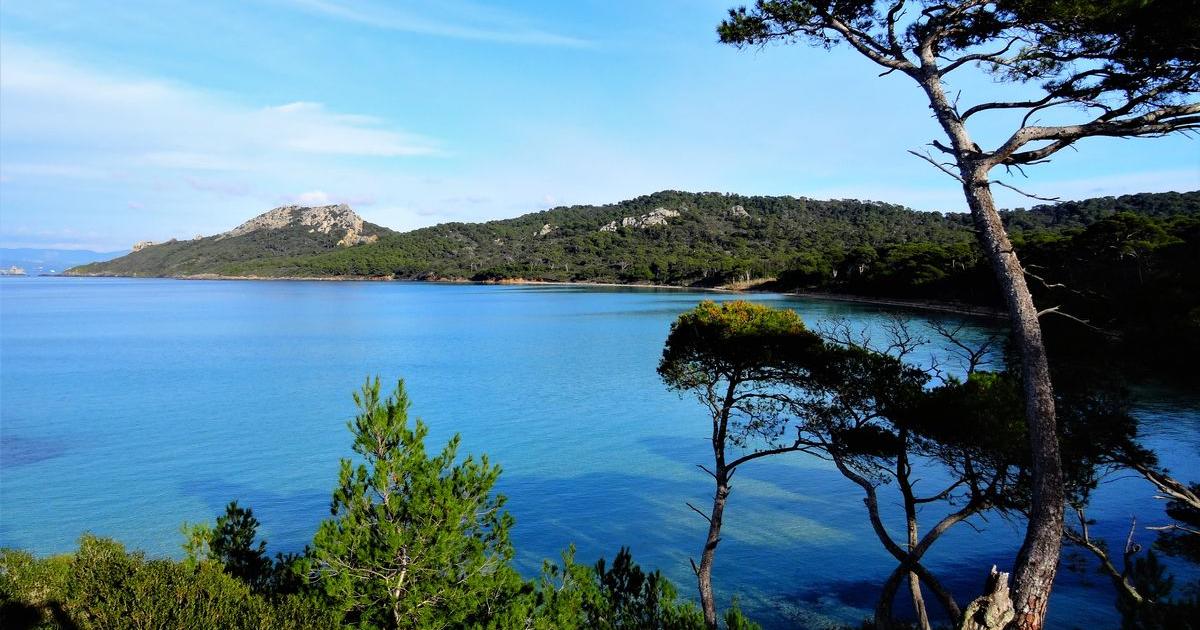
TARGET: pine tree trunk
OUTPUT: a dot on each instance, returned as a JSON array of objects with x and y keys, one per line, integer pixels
[
  {"x": 914, "y": 584},
  {"x": 704, "y": 572},
  {"x": 1037, "y": 562},
  {"x": 903, "y": 470}
]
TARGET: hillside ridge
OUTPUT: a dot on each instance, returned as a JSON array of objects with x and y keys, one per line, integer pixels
[{"x": 668, "y": 237}]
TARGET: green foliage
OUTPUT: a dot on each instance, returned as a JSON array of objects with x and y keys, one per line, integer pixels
[
  {"x": 737, "y": 340},
  {"x": 1182, "y": 541},
  {"x": 415, "y": 540},
  {"x": 635, "y": 599},
  {"x": 33, "y": 591},
  {"x": 1142, "y": 50},
  {"x": 211, "y": 254},
  {"x": 103, "y": 586},
  {"x": 232, "y": 544},
  {"x": 1160, "y": 610},
  {"x": 197, "y": 541},
  {"x": 735, "y": 619},
  {"x": 623, "y": 596}
]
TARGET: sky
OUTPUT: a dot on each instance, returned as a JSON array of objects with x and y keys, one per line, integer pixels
[{"x": 150, "y": 120}]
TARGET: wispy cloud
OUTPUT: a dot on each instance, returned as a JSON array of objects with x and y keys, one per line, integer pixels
[
  {"x": 221, "y": 187},
  {"x": 322, "y": 198},
  {"x": 56, "y": 170},
  {"x": 460, "y": 20},
  {"x": 113, "y": 120}
]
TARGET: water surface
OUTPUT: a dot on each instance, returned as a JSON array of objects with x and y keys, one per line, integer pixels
[{"x": 130, "y": 406}]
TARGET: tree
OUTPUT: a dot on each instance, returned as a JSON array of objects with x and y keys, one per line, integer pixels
[
  {"x": 414, "y": 540},
  {"x": 232, "y": 544},
  {"x": 1122, "y": 69},
  {"x": 1143, "y": 586},
  {"x": 734, "y": 357},
  {"x": 875, "y": 416},
  {"x": 620, "y": 597}
]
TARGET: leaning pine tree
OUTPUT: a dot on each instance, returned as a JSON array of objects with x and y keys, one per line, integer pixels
[
  {"x": 1107, "y": 68},
  {"x": 415, "y": 541}
]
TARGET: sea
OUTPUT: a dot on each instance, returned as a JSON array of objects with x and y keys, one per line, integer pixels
[{"x": 131, "y": 406}]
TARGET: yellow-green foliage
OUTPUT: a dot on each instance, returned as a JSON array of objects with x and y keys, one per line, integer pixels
[
  {"x": 103, "y": 586},
  {"x": 739, "y": 318},
  {"x": 31, "y": 589}
]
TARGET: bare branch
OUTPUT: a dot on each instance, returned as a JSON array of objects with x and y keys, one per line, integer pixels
[
  {"x": 702, "y": 514},
  {"x": 1027, "y": 194},
  {"x": 941, "y": 167}
]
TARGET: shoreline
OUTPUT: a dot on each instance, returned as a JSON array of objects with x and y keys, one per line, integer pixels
[{"x": 925, "y": 305}]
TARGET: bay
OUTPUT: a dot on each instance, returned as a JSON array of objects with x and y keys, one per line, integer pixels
[{"x": 128, "y": 406}]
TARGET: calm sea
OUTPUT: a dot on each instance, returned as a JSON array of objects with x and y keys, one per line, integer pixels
[{"x": 130, "y": 406}]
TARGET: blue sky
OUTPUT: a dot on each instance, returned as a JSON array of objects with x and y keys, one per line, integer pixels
[{"x": 123, "y": 121}]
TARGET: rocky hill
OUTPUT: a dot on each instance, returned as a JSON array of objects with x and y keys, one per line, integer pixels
[{"x": 284, "y": 232}]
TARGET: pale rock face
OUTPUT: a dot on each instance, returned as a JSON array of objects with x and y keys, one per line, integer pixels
[
  {"x": 334, "y": 219},
  {"x": 140, "y": 245},
  {"x": 546, "y": 229},
  {"x": 658, "y": 216},
  {"x": 738, "y": 212}
]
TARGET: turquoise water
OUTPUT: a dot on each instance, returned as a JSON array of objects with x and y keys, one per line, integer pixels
[{"x": 130, "y": 406}]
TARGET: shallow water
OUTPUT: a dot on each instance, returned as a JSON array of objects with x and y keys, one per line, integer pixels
[{"x": 130, "y": 406}]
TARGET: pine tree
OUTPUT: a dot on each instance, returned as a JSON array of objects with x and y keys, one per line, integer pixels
[
  {"x": 232, "y": 544},
  {"x": 414, "y": 540}
]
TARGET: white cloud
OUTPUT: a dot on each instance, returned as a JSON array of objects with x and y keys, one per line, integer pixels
[
  {"x": 221, "y": 187},
  {"x": 311, "y": 198},
  {"x": 445, "y": 18},
  {"x": 55, "y": 104},
  {"x": 59, "y": 171}
]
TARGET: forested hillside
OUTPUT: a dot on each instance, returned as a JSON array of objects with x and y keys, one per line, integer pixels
[
  {"x": 714, "y": 239},
  {"x": 667, "y": 237}
]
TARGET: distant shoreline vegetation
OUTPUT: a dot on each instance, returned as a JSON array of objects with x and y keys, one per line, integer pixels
[{"x": 1122, "y": 267}]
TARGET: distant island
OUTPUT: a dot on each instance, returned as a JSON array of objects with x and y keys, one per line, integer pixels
[{"x": 40, "y": 261}]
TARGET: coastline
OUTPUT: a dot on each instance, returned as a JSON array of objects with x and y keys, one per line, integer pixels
[{"x": 924, "y": 305}]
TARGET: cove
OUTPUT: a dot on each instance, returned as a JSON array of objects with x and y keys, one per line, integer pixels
[{"x": 130, "y": 406}]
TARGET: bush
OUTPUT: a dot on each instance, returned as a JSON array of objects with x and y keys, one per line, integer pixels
[{"x": 103, "y": 586}]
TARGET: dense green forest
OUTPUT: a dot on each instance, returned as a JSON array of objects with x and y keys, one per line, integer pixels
[{"x": 716, "y": 239}]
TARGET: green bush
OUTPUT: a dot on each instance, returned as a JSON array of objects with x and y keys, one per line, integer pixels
[{"x": 103, "y": 586}]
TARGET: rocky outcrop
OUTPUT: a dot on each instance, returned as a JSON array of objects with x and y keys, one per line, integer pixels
[
  {"x": 546, "y": 229},
  {"x": 737, "y": 212},
  {"x": 140, "y": 245},
  {"x": 353, "y": 237},
  {"x": 338, "y": 220},
  {"x": 658, "y": 216}
]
